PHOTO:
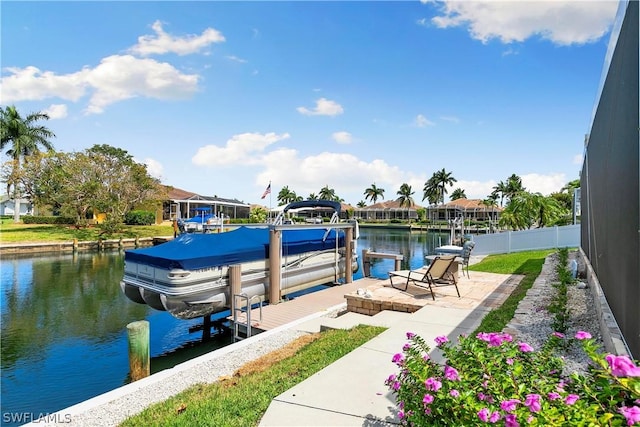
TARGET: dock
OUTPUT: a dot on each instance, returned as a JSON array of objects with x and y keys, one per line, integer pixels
[{"x": 485, "y": 290}]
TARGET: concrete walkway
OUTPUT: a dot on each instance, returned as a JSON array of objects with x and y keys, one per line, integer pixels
[{"x": 351, "y": 391}]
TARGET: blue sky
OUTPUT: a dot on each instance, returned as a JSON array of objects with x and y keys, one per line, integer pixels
[{"x": 221, "y": 98}]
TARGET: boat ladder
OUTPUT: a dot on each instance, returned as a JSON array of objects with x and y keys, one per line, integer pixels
[{"x": 245, "y": 306}]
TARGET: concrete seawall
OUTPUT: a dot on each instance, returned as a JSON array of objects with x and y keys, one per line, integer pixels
[{"x": 76, "y": 246}]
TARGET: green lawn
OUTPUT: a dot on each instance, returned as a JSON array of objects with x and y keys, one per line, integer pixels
[
  {"x": 11, "y": 232},
  {"x": 244, "y": 398}
]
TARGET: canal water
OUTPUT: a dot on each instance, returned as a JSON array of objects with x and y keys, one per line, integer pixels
[{"x": 64, "y": 323}]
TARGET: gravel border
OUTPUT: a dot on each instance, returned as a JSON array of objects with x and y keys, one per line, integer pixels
[{"x": 532, "y": 322}]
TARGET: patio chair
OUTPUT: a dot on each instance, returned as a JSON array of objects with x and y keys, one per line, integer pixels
[
  {"x": 437, "y": 274},
  {"x": 465, "y": 255}
]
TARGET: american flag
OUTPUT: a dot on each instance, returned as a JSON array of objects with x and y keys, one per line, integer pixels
[{"x": 267, "y": 191}]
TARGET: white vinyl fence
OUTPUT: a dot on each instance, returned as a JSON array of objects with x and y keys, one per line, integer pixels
[{"x": 567, "y": 236}]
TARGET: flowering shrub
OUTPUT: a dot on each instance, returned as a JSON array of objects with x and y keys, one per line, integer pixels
[{"x": 491, "y": 379}]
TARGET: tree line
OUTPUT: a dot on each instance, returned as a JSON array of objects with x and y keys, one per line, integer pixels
[
  {"x": 101, "y": 179},
  {"x": 523, "y": 209},
  {"x": 106, "y": 179}
]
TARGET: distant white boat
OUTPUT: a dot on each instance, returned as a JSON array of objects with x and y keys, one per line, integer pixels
[{"x": 448, "y": 250}]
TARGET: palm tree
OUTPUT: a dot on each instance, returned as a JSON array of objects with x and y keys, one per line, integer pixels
[
  {"x": 513, "y": 186},
  {"x": 286, "y": 196},
  {"x": 431, "y": 191},
  {"x": 437, "y": 185},
  {"x": 312, "y": 196},
  {"x": 327, "y": 193},
  {"x": 372, "y": 193},
  {"x": 490, "y": 202},
  {"x": 458, "y": 193},
  {"x": 361, "y": 204},
  {"x": 23, "y": 137},
  {"x": 405, "y": 194},
  {"x": 499, "y": 190},
  {"x": 528, "y": 209}
]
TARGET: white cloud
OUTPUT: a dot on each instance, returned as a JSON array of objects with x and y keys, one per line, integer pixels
[
  {"x": 452, "y": 119},
  {"x": 345, "y": 173},
  {"x": 154, "y": 168},
  {"x": 342, "y": 137},
  {"x": 236, "y": 59},
  {"x": 562, "y": 22},
  {"x": 421, "y": 121},
  {"x": 122, "y": 77},
  {"x": 116, "y": 78},
  {"x": 244, "y": 149},
  {"x": 422, "y": 22},
  {"x": 56, "y": 111},
  {"x": 544, "y": 184},
  {"x": 32, "y": 84},
  {"x": 324, "y": 107},
  {"x": 162, "y": 42}
]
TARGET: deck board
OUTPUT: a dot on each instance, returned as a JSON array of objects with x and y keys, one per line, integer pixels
[{"x": 275, "y": 315}]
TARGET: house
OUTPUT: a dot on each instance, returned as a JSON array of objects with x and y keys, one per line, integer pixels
[
  {"x": 183, "y": 204},
  {"x": 7, "y": 206},
  {"x": 469, "y": 209},
  {"x": 388, "y": 210}
]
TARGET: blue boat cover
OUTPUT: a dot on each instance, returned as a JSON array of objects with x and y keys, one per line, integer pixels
[{"x": 194, "y": 251}]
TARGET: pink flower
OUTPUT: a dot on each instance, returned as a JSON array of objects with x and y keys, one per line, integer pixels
[
  {"x": 432, "y": 384},
  {"x": 400, "y": 414},
  {"x": 398, "y": 359},
  {"x": 509, "y": 361},
  {"x": 425, "y": 357},
  {"x": 396, "y": 385},
  {"x": 495, "y": 417},
  {"x": 451, "y": 373},
  {"x": 631, "y": 413},
  {"x": 483, "y": 414},
  {"x": 410, "y": 335},
  {"x": 441, "y": 340},
  {"x": 406, "y": 347},
  {"x": 571, "y": 399},
  {"x": 553, "y": 396},
  {"x": 558, "y": 334},
  {"x": 622, "y": 366},
  {"x": 483, "y": 336},
  {"x": 454, "y": 393},
  {"x": 427, "y": 399},
  {"x": 495, "y": 340},
  {"x": 533, "y": 402},
  {"x": 509, "y": 405},
  {"x": 427, "y": 411},
  {"x": 524, "y": 347},
  {"x": 511, "y": 421},
  {"x": 582, "y": 335}
]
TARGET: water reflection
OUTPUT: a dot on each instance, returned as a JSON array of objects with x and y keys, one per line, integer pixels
[
  {"x": 63, "y": 334},
  {"x": 414, "y": 246},
  {"x": 48, "y": 300}
]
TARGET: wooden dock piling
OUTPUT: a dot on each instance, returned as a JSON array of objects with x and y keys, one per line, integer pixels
[{"x": 139, "y": 354}]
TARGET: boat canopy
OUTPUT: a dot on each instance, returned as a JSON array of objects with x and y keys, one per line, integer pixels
[
  {"x": 195, "y": 251},
  {"x": 307, "y": 204}
]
